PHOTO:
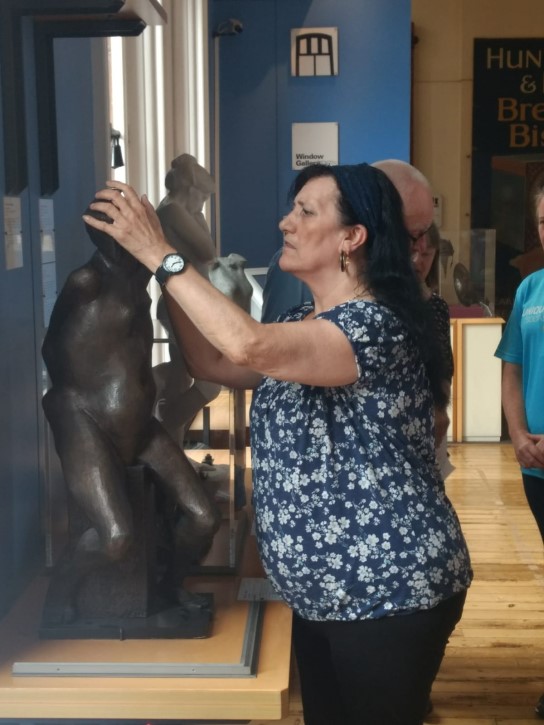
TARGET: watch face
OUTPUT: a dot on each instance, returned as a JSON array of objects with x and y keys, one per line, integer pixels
[{"x": 173, "y": 263}]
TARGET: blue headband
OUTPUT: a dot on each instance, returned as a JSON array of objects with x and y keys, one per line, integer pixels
[{"x": 359, "y": 185}]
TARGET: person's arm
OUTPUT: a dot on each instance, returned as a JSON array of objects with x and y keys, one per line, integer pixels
[
  {"x": 203, "y": 360},
  {"x": 312, "y": 352},
  {"x": 441, "y": 417},
  {"x": 529, "y": 448},
  {"x": 441, "y": 318}
]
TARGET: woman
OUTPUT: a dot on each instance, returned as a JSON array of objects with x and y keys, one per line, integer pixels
[
  {"x": 425, "y": 258},
  {"x": 354, "y": 528},
  {"x": 522, "y": 351}
]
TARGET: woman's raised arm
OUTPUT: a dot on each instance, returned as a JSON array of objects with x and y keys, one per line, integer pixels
[{"x": 313, "y": 352}]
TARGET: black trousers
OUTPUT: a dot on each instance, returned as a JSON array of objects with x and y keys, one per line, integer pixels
[
  {"x": 534, "y": 491},
  {"x": 373, "y": 671}
]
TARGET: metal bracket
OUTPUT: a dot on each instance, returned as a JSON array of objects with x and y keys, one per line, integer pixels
[{"x": 246, "y": 667}]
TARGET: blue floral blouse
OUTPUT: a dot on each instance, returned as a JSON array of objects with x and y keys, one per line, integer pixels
[{"x": 353, "y": 521}]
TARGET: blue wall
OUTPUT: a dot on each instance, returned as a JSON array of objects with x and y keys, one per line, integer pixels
[{"x": 259, "y": 100}]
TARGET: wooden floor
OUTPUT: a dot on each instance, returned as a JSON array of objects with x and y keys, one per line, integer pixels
[{"x": 493, "y": 672}]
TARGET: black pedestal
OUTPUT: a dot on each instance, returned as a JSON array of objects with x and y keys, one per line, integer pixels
[
  {"x": 171, "y": 623},
  {"x": 122, "y": 600}
]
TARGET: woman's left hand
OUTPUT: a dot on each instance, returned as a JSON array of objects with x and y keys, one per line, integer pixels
[{"x": 135, "y": 226}]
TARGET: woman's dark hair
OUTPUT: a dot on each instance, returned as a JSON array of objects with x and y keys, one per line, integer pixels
[{"x": 384, "y": 261}]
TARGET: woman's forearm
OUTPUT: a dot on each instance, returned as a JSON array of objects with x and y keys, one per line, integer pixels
[
  {"x": 528, "y": 447},
  {"x": 512, "y": 400},
  {"x": 203, "y": 360}
]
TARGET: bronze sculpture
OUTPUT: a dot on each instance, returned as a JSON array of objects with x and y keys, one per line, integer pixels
[{"x": 100, "y": 408}]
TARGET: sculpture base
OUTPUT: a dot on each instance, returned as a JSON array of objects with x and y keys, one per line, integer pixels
[{"x": 175, "y": 622}]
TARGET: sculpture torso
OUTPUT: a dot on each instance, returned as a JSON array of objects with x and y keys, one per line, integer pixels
[{"x": 98, "y": 351}]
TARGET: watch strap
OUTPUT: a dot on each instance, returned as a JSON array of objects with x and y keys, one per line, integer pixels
[{"x": 162, "y": 275}]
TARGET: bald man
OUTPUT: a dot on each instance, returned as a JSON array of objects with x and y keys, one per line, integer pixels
[
  {"x": 283, "y": 291},
  {"x": 415, "y": 192}
]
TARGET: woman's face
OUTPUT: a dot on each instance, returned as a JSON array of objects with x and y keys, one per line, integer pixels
[
  {"x": 422, "y": 257},
  {"x": 312, "y": 230},
  {"x": 540, "y": 221}
]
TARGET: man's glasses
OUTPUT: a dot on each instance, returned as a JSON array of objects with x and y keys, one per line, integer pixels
[{"x": 416, "y": 237}]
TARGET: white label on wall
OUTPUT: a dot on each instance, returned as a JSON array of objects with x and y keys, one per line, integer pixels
[
  {"x": 13, "y": 232},
  {"x": 314, "y": 143},
  {"x": 49, "y": 268}
]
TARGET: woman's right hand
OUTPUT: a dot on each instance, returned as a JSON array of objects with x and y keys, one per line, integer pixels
[{"x": 135, "y": 225}]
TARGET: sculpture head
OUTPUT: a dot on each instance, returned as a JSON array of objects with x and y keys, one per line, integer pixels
[
  {"x": 106, "y": 244},
  {"x": 189, "y": 183}
]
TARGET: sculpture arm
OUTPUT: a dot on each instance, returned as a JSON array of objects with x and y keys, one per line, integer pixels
[{"x": 187, "y": 233}]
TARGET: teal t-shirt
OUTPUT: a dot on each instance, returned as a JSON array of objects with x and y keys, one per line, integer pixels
[{"x": 522, "y": 343}]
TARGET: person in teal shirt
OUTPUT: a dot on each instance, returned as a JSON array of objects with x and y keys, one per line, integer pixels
[{"x": 522, "y": 351}]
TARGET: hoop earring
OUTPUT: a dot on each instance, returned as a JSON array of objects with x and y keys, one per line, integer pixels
[{"x": 344, "y": 261}]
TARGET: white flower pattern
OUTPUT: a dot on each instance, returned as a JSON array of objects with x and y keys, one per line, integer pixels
[{"x": 353, "y": 521}]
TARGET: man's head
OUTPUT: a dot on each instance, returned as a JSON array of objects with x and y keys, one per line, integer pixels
[{"x": 415, "y": 192}]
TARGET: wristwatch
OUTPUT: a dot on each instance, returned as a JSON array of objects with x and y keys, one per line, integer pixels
[{"x": 173, "y": 263}]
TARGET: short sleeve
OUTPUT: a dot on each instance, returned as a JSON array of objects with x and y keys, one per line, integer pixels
[
  {"x": 374, "y": 332},
  {"x": 510, "y": 347}
]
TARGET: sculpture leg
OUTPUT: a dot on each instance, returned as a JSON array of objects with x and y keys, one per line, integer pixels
[
  {"x": 197, "y": 517},
  {"x": 95, "y": 477}
]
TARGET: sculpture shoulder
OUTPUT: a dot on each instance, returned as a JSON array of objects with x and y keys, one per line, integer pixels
[
  {"x": 84, "y": 283},
  {"x": 170, "y": 210},
  {"x": 81, "y": 287}
]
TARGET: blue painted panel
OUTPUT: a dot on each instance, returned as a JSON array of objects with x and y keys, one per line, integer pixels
[
  {"x": 259, "y": 101},
  {"x": 248, "y": 128}
]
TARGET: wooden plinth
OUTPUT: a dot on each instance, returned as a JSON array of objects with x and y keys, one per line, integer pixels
[{"x": 264, "y": 696}]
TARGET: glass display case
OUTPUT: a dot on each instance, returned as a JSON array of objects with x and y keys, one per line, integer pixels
[
  {"x": 467, "y": 271},
  {"x": 218, "y": 441}
]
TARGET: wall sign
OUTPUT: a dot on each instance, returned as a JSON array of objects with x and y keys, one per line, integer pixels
[
  {"x": 507, "y": 149},
  {"x": 314, "y": 143},
  {"x": 314, "y": 52}
]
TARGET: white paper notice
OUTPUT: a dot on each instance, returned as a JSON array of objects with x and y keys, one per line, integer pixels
[
  {"x": 314, "y": 143},
  {"x": 13, "y": 232},
  {"x": 49, "y": 268}
]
